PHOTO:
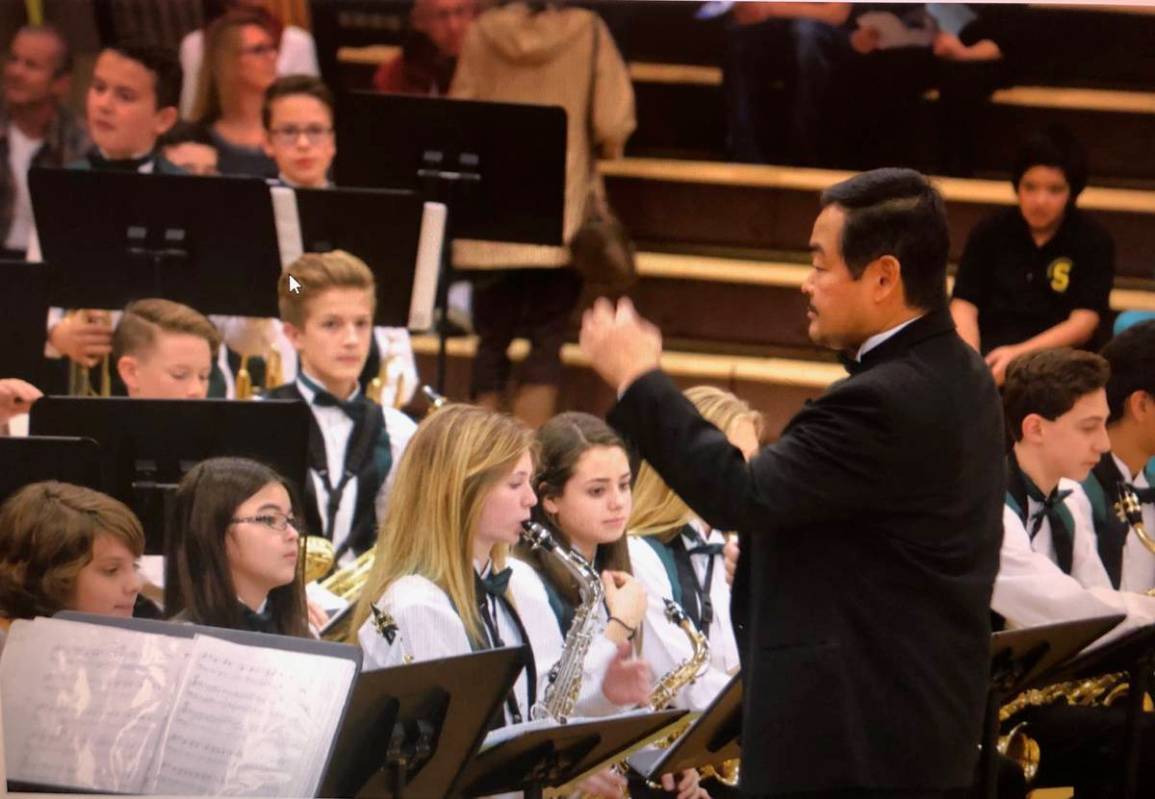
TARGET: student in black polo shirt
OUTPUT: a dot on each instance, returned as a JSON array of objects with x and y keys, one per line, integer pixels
[{"x": 1038, "y": 275}]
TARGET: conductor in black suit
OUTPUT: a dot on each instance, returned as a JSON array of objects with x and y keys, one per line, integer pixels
[{"x": 869, "y": 531}]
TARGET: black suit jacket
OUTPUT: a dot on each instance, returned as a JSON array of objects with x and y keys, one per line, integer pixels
[{"x": 870, "y": 538}]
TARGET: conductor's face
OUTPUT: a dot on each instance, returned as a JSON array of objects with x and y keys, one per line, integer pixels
[{"x": 840, "y": 305}]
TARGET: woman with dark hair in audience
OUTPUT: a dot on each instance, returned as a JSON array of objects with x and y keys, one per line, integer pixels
[
  {"x": 235, "y": 544},
  {"x": 64, "y": 547},
  {"x": 240, "y": 64},
  {"x": 547, "y": 54}
]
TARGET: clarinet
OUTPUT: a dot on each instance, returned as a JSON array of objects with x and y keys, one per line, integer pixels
[{"x": 565, "y": 677}]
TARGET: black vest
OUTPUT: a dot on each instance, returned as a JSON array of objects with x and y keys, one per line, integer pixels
[{"x": 368, "y": 457}]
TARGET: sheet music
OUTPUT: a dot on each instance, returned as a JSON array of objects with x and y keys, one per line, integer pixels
[
  {"x": 254, "y": 722},
  {"x": 288, "y": 223},
  {"x": 94, "y": 698}
]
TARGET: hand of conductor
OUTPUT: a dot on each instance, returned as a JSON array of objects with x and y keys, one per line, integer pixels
[{"x": 621, "y": 345}]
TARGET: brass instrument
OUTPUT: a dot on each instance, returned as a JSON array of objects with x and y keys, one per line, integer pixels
[
  {"x": 1130, "y": 512},
  {"x": 565, "y": 677},
  {"x": 376, "y": 388},
  {"x": 436, "y": 401},
  {"x": 79, "y": 375},
  {"x": 347, "y": 583},
  {"x": 317, "y": 555}
]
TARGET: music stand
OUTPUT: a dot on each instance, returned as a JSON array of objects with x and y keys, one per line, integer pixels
[
  {"x": 556, "y": 755},
  {"x": 31, "y": 459},
  {"x": 23, "y": 313},
  {"x": 713, "y": 738},
  {"x": 411, "y": 729},
  {"x": 113, "y": 237},
  {"x": 1021, "y": 659},
  {"x": 385, "y": 228},
  {"x": 1135, "y": 654},
  {"x": 497, "y": 187},
  {"x": 146, "y": 446}
]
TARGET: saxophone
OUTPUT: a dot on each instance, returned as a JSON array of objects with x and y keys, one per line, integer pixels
[{"x": 565, "y": 677}]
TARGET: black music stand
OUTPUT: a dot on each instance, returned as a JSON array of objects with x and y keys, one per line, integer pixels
[
  {"x": 23, "y": 315},
  {"x": 1022, "y": 659},
  {"x": 713, "y": 738},
  {"x": 31, "y": 459},
  {"x": 1134, "y": 654},
  {"x": 497, "y": 187},
  {"x": 557, "y": 755},
  {"x": 146, "y": 446},
  {"x": 383, "y": 228},
  {"x": 411, "y": 729},
  {"x": 113, "y": 237}
]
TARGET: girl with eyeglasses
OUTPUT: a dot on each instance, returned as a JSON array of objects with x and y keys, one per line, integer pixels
[{"x": 234, "y": 540}]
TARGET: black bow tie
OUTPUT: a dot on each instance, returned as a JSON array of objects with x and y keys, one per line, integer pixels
[
  {"x": 496, "y": 583},
  {"x": 707, "y": 549},
  {"x": 97, "y": 161},
  {"x": 850, "y": 363},
  {"x": 1146, "y": 496},
  {"x": 261, "y": 622},
  {"x": 354, "y": 408}
]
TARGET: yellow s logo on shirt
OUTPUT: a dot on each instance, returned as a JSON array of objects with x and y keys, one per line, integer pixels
[{"x": 1059, "y": 273}]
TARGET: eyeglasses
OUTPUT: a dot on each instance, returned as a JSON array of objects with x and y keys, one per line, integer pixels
[
  {"x": 315, "y": 134},
  {"x": 259, "y": 49},
  {"x": 274, "y": 520}
]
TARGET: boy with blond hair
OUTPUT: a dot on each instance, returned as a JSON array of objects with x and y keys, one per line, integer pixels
[
  {"x": 164, "y": 350},
  {"x": 327, "y": 301}
]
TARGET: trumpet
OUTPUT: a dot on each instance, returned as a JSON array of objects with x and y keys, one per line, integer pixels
[{"x": 79, "y": 375}]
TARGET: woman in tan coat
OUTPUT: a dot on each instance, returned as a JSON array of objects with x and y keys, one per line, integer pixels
[{"x": 548, "y": 54}]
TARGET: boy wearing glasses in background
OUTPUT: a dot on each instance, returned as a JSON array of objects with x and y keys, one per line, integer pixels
[{"x": 298, "y": 118}]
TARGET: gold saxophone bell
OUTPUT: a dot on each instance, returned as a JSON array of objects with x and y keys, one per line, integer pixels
[
  {"x": 317, "y": 555},
  {"x": 1022, "y": 749}
]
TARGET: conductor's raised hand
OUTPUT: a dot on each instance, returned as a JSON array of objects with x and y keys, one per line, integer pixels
[{"x": 621, "y": 345}]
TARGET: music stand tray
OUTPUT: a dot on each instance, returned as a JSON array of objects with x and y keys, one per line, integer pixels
[{"x": 551, "y": 755}]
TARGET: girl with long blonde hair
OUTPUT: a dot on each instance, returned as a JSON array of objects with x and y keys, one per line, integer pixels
[
  {"x": 441, "y": 584},
  {"x": 677, "y": 556}
]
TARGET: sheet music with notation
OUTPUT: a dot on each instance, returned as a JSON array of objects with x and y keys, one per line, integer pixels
[
  {"x": 251, "y": 722},
  {"x": 117, "y": 710},
  {"x": 94, "y": 727}
]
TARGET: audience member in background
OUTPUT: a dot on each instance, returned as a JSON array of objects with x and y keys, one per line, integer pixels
[
  {"x": 16, "y": 397},
  {"x": 1128, "y": 467},
  {"x": 429, "y": 52},
  {"x": 234, "y": 541},
  {"x": 797, "y": 44},
  {"x": 984, "y": 55},
  {"x": 1038, "y": 275},
  {"x": 64, "y": 547},
  {"x": 164, "y": 350},
  {"x": 36, "y": 128},
  {"x": 297, "y": 53},
  {"x": 191, "y": 149},
  {"x": 241, "y": 63},
  {"x": 545, "y": 54},
  {"x": 298, "y": 118}
]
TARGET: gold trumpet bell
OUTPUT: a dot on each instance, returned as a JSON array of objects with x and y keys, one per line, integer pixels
[{"x": 317, "y": 555}]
